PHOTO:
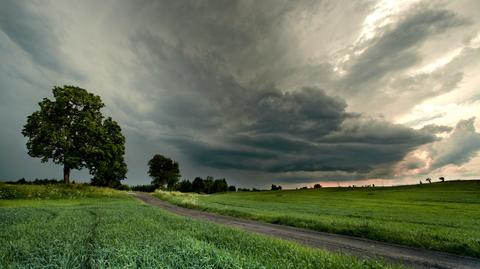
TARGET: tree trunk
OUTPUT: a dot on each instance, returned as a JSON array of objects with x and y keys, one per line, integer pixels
[{"x": 66, "y": 174}]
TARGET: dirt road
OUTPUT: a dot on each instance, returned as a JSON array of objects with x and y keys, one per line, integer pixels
[{"x": 416, "y": 258}]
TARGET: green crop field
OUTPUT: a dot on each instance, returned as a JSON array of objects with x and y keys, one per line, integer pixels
[
  {"x": 85, "y": 227},
  {"x": 440, "y": 216}
]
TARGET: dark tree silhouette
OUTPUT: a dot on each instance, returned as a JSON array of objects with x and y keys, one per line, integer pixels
[
  {"x": 317, "y": 186},
  {"x": 276, "y": 188},
  {"x": 184, "y": 186},
  {"x": 219, "y": 185},
  {"x": 442, "y": 179},
  {"x": 163, "y": 170},
  {"x": 198, "y": 185},
  {"x": 429, "y": 180}
]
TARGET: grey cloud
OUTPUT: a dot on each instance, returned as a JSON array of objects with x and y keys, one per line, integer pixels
[
  {"x": 33, "y": 33},
  {"x": 435, "y": 129},
  {"x": 460, "y": 147},
  {"x": 288, "y": 135},
  {"x": 378, "y": 77},
  {"x": 394, "y": 50},
  {"x": 409, "y": 90}
]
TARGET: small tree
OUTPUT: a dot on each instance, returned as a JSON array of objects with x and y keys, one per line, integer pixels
[
  {"x": 163, "y": 170},
  {"x": 442, "y": 179},
  {"x": 275, "y": 187},
  {"x": 429, "y": 180},
  {"x": 66, "y": 129},
  {"x": 232, "y": 188},
  {"x": 317, "y": 186}
]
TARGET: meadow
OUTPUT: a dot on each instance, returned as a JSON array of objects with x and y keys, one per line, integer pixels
[
  {"x": 87, "y": 227},
  {"x": 440, "y": 216}
]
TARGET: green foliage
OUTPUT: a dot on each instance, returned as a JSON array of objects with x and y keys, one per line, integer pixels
[
  {"x": 441, "y": 216},
  {"x": 163, "y": 170},
  {"x": 55, "y": 191},
  {"x": 70, "y": 130},
  {"x": 184, "y": 186},
  {"x": 107, "y": 163},
  {"x": 220, "y": 185},
  {"x": 198, "y": 185},
  {"x": 122, "y": 233},
  {"x": 208, "y": 185}
]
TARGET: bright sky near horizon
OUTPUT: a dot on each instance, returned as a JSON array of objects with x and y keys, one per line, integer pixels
[{"x": 259, "y": 92}]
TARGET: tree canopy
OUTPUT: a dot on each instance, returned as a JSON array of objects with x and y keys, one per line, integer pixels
[
  {"x": 107, "y": 163},
  {"x": 70, "y": 130},
  {"x": 163, "y": 170}
]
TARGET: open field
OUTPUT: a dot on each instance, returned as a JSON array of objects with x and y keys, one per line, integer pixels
[
  {"x": 443, "y": 216},
  {"x": 120, "y": 232}
]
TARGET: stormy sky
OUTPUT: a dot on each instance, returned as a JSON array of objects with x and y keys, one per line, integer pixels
[{"x": 259, "y": 92}]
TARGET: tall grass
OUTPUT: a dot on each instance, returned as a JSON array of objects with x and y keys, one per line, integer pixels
[
  {"x": 55, "y": 191},
  {"x": 443, "y": 216},
  {"x": 122, "y": 233}
]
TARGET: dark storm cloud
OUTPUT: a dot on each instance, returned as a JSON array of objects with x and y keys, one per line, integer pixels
[
  {"x": 280, "y": 132},
  {"x": 228, "y": 124}
]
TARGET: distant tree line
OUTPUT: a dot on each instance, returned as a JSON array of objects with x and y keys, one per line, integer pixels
[
  {"x": 208, "y": 185},
  {"x": 45, "y": 181}
]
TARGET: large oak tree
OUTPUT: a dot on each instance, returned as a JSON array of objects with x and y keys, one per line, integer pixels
[{"x": 70, "y": 130}]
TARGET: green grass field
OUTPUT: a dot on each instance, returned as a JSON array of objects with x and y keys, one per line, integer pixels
[
  {"x": 81, "y": 228},
  {"x": 441, "y": 216}
]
